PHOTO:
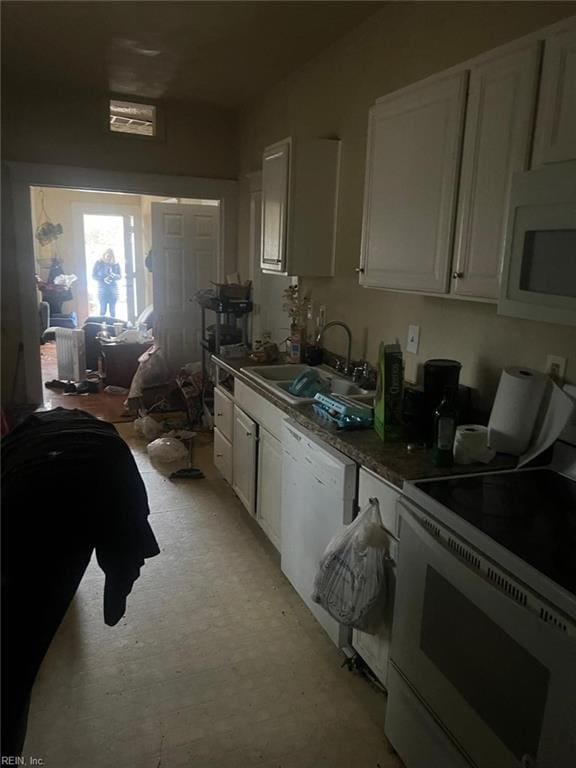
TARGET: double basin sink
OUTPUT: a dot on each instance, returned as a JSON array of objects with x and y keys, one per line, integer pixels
[{"x": 278, "y": 378}]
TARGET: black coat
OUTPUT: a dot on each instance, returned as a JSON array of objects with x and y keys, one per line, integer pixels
[
  {"x": 69, "y": 486},
  {"x": 107, "y": 275}
]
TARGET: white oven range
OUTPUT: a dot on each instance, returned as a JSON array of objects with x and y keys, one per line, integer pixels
[{"x": 483, "y": 656}]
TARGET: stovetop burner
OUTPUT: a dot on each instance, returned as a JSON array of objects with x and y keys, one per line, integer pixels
[{"x": 531, "y": 513}]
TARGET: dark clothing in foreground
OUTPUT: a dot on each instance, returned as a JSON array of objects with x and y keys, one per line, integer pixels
[{"x": 69, "y": 486}]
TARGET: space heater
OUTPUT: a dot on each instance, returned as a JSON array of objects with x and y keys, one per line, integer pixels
[{"x": 71, "y": 354}]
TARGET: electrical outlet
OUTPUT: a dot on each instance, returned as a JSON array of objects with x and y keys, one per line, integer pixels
[
  {"x": 411, "y": 369},
  {"x": 413, "y": 339},
  {"x": 556, "y": 367}
]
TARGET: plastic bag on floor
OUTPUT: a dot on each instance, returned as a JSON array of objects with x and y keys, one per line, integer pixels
[
  {"x": 147, "y": 427},
  {"x": 167, "y": 450},
  {"x": 351, "y": 583},
  {"x": 152, "y": 371}
]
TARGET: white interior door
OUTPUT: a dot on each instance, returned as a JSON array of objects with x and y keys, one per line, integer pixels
[{"x": 185, "y": 251}]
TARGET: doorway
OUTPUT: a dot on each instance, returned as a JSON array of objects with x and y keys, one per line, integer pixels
[
  {"x": 105, "y": 233},
  {"x": 164, "y": 249},
  {"x": 21, "y": 373}
]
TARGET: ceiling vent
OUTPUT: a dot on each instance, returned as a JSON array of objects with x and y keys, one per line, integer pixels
[{"x": 131, "y": 117}]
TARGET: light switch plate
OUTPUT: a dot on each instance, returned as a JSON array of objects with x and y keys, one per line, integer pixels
[{"x": 413, "y": 339}]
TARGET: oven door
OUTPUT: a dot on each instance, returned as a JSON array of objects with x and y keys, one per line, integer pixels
[{"x": 499, "y": 679}]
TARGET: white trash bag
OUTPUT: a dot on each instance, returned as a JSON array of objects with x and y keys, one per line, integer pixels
[
  {"x": 147, "y": 427},
  {"x": 151, "y": 372},
  {"x": 167, "y": 450},
  {"x": 351, "y": 583}
]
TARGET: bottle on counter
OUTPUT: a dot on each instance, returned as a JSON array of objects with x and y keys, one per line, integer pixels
[
  {"x": 445, "y": 419},
  {"x": 103, "y": 333}
]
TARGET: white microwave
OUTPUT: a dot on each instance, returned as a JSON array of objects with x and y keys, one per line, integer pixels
[{"x": 539, "y": 270}]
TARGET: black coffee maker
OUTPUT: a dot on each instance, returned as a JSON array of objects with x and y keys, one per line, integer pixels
[{"x": 438, "y": 374}]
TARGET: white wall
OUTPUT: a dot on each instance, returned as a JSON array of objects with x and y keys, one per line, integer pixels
[{"x": 330, "y": 96}]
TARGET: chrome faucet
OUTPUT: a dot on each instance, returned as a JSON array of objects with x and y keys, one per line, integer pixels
[{"x": 349, "y": 333}]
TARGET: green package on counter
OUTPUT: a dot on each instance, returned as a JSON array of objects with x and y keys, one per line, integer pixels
[{"x": 388, "y": 400}]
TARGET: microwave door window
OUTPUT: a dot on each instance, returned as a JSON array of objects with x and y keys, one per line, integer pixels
[{"x": 549, "y": 262}]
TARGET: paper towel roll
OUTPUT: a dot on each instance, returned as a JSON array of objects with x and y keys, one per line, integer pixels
[
  {"x": 471, "y": 444},
  {"x": 518, "y": 399}
]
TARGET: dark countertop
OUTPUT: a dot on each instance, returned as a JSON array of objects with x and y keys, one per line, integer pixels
[{"x": 389, "y": 459}]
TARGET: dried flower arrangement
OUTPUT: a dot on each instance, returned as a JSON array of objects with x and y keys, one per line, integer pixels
[{"x": 297, "y": 306}]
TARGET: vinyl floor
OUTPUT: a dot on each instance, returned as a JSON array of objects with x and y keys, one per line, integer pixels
[{"x": 216, "y": 664}]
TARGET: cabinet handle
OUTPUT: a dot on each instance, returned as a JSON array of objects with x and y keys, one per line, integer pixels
[
  {"x": 248, "y": 434},
  {"x": 218, "y": 455},
  {"x": 218, "y": 413},
  {"x": 359, "y": 270},
  {"x": 457, "y": 275}
]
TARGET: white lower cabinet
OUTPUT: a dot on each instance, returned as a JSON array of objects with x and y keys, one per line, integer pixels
[
  {"x": 269, "y": 486},
  {"x": 223, "y": 455},
  {"x": 244, "y": 458},
  {"x": 375, "y": 649},
  {"x": 248, "y": 453},
  {"x": 224, "y": 413}
]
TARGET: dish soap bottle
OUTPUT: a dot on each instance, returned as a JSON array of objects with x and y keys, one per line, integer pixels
[{"x": 445, "y": 418}]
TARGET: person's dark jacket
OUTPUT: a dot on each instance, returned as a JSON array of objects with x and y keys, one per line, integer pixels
[
  {"x": 70, "y": 487},
  {"x": 107, "y": 276}
]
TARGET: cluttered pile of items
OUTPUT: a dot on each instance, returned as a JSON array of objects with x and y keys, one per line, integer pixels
[
  {"x": 169, "y": 442},
  {"x": 56, "y": 286}
]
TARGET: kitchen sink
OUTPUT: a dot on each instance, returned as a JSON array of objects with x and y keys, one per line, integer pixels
[
  {"x": 277, "y": 372},
  {"x": 278, "y": 378}
]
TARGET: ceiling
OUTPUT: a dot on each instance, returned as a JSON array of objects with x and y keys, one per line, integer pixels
[{"x": 224, "y": 53}]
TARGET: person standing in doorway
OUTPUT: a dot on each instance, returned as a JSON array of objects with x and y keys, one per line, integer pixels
[{"x": 107, "y": 273}]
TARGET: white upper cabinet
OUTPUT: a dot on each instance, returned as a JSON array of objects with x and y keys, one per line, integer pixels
[
  {"x": 555, "y": 139},
  {"x": 497, "y": 140},
  {"x": 413, "y": 158},
  {"x": 299, "y": 206},
  {"x": 275, "y": 185}
]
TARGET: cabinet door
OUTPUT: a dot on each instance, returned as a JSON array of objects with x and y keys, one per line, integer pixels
[
  {"x": 414, "y": 142},
  {"x": 244, "y": 453},
  {"x": 269, "y": 496},
  {"x": 223, "y": 413},
  {"x": 555, "y": 139},
  {"x": 497, "y": 136},
  {"x": 223, "y": 455},
  {"x": 375, "y": 649},
  {"x": 275, "y": 189}
]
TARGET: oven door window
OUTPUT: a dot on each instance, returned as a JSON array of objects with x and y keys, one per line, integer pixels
[{"x": 505, "y": 685}]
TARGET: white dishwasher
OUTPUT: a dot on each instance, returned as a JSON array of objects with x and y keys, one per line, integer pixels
[{"x": 318, "y": 493}]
